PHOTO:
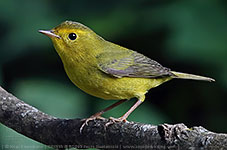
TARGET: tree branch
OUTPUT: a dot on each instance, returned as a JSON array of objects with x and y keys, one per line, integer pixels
[{"x": 65, "y": 133}]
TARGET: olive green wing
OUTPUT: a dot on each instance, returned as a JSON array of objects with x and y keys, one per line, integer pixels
[{"x": 130, "y": 64}]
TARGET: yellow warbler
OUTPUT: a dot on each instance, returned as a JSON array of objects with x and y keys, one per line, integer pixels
[{"x": 106, "y": 70}]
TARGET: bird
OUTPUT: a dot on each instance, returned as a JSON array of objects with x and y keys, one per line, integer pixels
[{"x": 106, "y": 70}]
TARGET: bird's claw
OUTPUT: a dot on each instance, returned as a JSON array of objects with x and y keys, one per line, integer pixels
[
  {"x": 89, "y": 119},
  {"x": 114, "y": 120}
]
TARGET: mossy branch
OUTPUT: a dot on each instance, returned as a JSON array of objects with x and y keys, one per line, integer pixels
[{"x": 65, "y": 133}]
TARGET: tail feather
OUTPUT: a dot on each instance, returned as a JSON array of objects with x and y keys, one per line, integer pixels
[{"x": 191, "y": 76}]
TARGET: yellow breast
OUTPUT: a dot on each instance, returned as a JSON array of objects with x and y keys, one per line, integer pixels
[{"x": 95, "y": 82}]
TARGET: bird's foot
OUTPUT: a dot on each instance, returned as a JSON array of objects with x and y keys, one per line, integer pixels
[
  {"x": 114, "y": 120},
  {"x": 89, "y": 119}
]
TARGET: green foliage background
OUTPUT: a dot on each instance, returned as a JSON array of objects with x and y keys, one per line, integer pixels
[{"x": 188, "y": 36}]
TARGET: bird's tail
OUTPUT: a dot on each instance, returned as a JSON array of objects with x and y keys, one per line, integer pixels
[{"x": 191, "y": 76}]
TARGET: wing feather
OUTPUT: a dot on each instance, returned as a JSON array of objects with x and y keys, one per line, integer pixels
[{"x": 130, "y": 64}]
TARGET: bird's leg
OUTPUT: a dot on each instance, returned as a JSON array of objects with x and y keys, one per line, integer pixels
[
  {"x": 98, "y": 114},
  {"x": 125, "y": 116}
]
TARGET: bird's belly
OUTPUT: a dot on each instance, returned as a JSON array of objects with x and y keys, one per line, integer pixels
[
  {"x": 114, "y": 88},
  {"x": 105, "y": 86},
  {"x": 117, "y": 88}
]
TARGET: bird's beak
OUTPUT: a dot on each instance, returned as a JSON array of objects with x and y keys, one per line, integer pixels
[{"x": 49, "y": 33}]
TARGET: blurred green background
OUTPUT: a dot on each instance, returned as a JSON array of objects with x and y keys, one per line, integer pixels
[{"x": 187, "y": 36}]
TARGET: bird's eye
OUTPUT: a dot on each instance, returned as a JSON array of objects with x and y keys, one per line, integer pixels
[{"x": 72, "y": 36}]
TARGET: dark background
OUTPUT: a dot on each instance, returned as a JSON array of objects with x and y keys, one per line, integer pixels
[{"x": 187, "y": 36}]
